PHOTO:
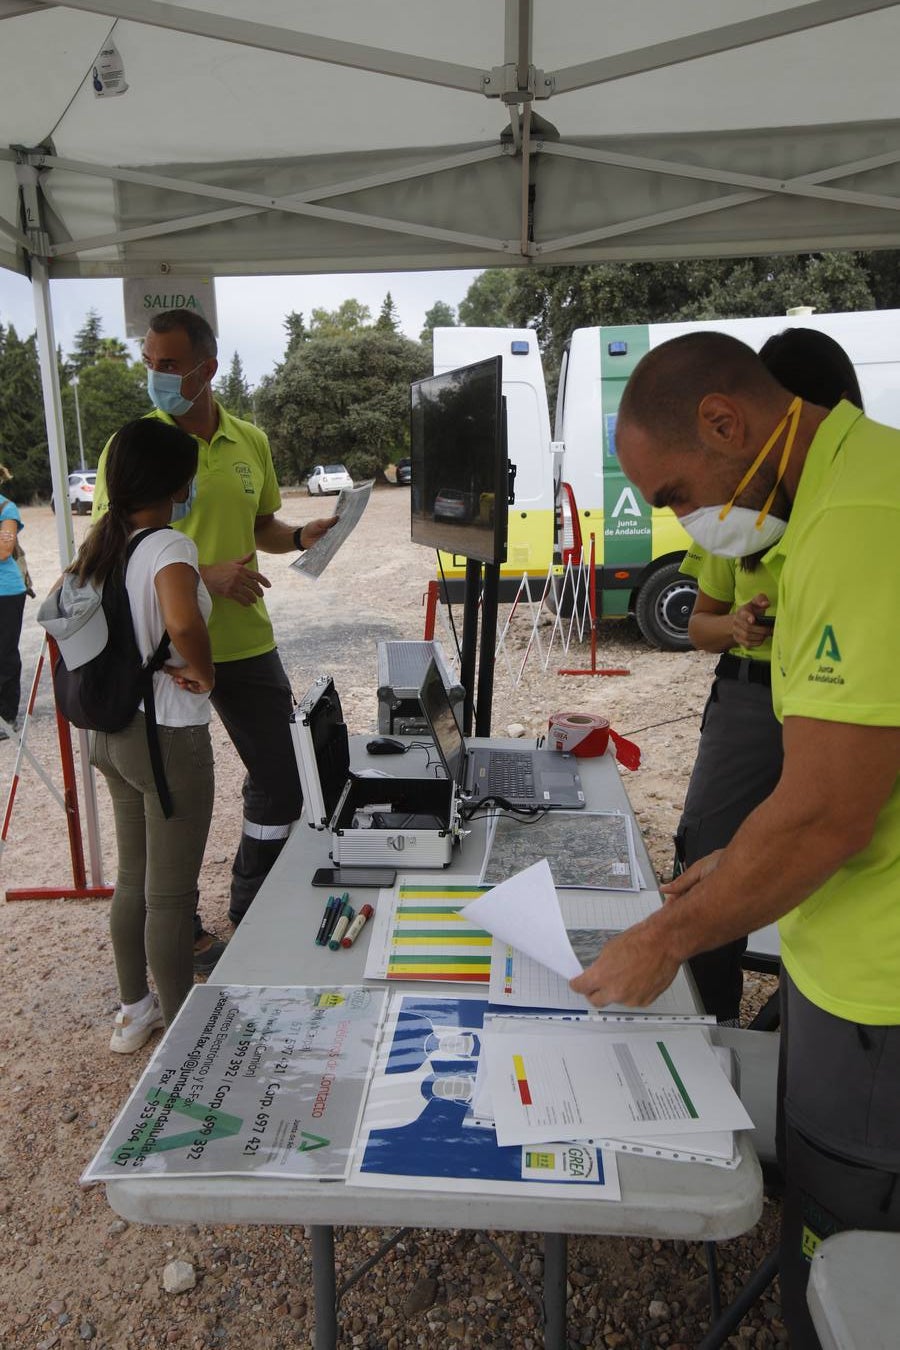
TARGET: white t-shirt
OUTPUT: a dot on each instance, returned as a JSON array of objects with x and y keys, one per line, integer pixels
[{"x": 175, "y": 707}]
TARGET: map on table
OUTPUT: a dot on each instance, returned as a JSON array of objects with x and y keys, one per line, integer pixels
[{"x": 593, "y": 850}]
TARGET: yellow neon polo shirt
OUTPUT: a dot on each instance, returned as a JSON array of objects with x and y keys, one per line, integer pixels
[
  {"x": 837, "y": 658},
  {"x": 726, "y": 580},
  {"x": 235, "y": 483}
]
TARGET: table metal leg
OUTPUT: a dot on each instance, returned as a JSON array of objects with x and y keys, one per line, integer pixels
[
  {"x": 325, "y": 1337},
  {"x": 555, "y": 1279}
]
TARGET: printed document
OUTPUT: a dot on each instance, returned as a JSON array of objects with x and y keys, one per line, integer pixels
[
  {"x": 351, "y": 503},
  {"x": 590, "y": 920},
  {"x": 250, "y": 1081},
  {"x": 546, "y": 1088}
]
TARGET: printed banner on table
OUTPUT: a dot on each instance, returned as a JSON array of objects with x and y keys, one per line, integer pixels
[
  {"x": 264, "y": 1081},
  {"x": 419, "y": 1127}
]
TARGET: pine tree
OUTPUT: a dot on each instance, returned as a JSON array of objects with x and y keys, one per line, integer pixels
[
  {"x": 297, "y": 331},
  {"x": 88, "y": 342},
  {"x": 388, "y": 320},
  {"x": 23, "y": 435},
  {"x": 234, "y": 391}
]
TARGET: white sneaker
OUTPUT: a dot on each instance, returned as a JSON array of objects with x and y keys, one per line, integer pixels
[{"x": 131, "y": 1033}]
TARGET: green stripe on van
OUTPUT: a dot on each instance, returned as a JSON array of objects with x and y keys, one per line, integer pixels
[{"x": 627, "y": 518}]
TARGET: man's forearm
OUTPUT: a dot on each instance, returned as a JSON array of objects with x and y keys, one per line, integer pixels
[
  {"x": 780, "y": 855},
  {"x": 276, "y": 536}
]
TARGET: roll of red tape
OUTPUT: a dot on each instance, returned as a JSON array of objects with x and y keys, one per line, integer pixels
[{"x": 582, "y": 734}]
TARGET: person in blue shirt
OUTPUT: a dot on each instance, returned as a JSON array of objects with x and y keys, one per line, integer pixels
[{"x": 12, "y": 607}]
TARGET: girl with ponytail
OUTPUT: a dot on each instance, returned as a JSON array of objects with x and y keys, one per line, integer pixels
[{"x": 149, "y": 470}]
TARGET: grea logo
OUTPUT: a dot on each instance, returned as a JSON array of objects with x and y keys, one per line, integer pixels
[{"x": 245, "y": 473}]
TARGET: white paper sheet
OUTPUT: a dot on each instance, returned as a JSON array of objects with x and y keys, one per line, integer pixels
[
  {"x": 524, "y": 912},
  {"x": 547, "y": 1088},
  {"x": 520, "y": 981}
]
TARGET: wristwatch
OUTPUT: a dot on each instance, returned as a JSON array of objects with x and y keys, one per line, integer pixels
[{"x": 298, "y": 539}]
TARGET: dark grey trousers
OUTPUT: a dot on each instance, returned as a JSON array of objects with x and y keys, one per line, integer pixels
[
  {"x": 253, "y": 699},
  {"x": 839, "y": 1139},
  {"x": 738, "y": 765}
]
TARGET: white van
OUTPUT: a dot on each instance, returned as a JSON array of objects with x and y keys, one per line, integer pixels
[{"x": 569, "y": 484}]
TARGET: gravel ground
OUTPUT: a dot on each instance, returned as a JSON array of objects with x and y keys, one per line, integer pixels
[{"x": 74, "y": 1273}]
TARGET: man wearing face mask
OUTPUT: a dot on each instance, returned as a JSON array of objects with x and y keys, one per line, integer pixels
[
  {"x": 230, "y": 515},
  {"x": 704, "y": 428}
]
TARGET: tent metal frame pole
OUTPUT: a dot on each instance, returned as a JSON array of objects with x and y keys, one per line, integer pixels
[
  {"x": 712, "y": 41},
  {"x": 59, "y": 469},
  {"x": 288, "y": 42},
  {"x": 726, "y": 203}
]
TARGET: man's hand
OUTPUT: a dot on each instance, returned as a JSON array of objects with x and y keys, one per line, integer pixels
[
  {"x": 313, "y": 530},
  {"x": 633, "y": 969},
  {"x": 674, "y": 890},
  {"x": 234, "y": 580},
  {"x": 745, "y": 630}
]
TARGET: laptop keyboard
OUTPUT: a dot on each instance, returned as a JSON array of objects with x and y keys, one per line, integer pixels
[{"x": 510, "y": 774}]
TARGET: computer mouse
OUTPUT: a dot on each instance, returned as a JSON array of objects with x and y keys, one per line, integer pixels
[{"x": 386, "y": 745}]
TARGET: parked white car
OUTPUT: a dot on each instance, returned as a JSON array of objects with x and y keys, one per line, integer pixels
[
  {"x": 327, "y": 478},
  {"x": 81, "y": 491}
]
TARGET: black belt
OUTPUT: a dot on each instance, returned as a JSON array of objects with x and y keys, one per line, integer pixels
[{"x": 730, "y": 667}]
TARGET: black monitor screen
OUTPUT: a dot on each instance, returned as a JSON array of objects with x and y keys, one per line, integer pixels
[{"x": 458, "y": 452}]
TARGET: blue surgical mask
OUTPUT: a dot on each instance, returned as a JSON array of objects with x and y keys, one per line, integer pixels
[
  {"x": 165, "y": 393},
  {"x": 181, "y": 509}
]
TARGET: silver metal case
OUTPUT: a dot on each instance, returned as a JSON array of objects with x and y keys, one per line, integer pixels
[{"x": 334, "y": 797}]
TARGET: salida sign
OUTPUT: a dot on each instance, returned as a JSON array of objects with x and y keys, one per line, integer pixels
[{"x": 146, "y": 296}]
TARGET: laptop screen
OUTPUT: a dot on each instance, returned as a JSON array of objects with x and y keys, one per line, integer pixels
[{"x": 441, "y": 719}]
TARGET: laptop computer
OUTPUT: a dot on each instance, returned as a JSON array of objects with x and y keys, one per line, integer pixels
[{"x": 526, "y": 779}]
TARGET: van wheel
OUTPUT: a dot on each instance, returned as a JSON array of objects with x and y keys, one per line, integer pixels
[{"x": 663, "y": 608}]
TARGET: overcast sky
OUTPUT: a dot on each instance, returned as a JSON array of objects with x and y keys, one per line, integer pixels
[{"x": 251, "y": 309}]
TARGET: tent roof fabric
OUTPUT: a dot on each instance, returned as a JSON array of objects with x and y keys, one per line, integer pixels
[{"x": 345, "y": 135}]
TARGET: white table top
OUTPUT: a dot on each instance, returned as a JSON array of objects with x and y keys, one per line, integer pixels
[
  {"x": 275, "y": 945},
  {"x": 853, "y": 1293}
]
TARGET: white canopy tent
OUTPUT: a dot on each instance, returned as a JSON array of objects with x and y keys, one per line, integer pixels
[
  {"x": 349, "y": 135},
  {"x": 367, "y": 135}
]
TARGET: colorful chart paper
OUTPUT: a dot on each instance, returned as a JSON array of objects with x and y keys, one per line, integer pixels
[{"x": 419, "y": 933}]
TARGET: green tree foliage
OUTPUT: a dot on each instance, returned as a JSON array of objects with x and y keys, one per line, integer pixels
[
  {"x": 350, "y": 317},
  {"x": 486, "y": 304},
  {"x": 388, "y": 320},
  {"x": 296, "y": 330},
  {"x": 233, "y": 391},
  {"x": 441, "y": 315},
  {"x": 883, "y": 273},
  {"x": 110, "y": 393},
  {"x": 87, "y": 342},
  {"x": 23, "y": 435},
  {"x": 341, "y": 399},
  {"x": 557, "y": 300}
]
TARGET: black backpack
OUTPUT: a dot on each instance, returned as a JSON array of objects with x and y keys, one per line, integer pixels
[{"x": 104, "y": 694}]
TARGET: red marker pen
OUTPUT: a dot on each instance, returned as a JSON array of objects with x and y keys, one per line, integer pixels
[{"x": 356, "y": 926}]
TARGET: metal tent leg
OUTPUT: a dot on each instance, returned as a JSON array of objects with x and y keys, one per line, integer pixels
[
  {"x": 325, "y": 1335},
  {"x": 555, "y": 1278}
]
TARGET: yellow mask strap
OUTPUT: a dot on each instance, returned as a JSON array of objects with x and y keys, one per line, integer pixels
[{"x": 792, "y": 416}]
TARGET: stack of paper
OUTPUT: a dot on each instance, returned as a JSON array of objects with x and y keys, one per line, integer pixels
[
  {"x": 419, "y": 1126},
  {"x": 647, "y": 1082}
]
